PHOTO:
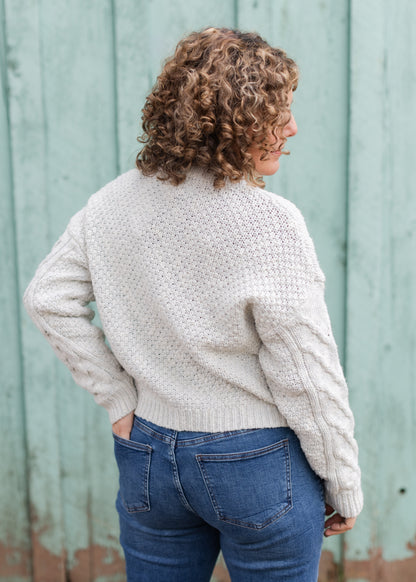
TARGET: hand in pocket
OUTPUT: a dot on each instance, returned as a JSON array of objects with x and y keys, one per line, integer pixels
[{"x": 123, "y": 426}]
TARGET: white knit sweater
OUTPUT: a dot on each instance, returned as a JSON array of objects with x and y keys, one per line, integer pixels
[{"x": 213, "y": 304}]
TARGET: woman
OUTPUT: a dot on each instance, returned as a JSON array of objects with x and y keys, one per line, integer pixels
[{"x": 223, "y": 385}]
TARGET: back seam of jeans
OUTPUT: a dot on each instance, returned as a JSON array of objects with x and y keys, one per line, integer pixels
[
  {"x": 165, "y": 438},
  {"x": 176, "y": 478}
]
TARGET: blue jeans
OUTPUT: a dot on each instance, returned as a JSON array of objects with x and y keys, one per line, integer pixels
[{"x": 185, "y": 495}]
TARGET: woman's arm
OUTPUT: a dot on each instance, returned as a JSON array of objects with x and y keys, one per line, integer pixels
[
  {"x": 300, "y": 360},
  {"x": 57, "y": 300}
]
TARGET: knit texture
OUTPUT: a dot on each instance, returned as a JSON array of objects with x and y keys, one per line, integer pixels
[{"x": 212, "y": 305}]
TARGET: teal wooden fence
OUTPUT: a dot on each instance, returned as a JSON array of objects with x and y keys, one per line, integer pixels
[{"x": 74, "y": 76}]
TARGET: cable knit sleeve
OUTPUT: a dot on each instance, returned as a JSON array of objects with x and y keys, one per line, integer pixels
[
  {"x": 57, "y": 300},
  {"x": 300, "y": 361}
]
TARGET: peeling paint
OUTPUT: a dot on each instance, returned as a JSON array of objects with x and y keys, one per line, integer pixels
[
  {"x": 96, "y": 561},
  {"x": 14, "y": 563},
  {"x": 39, "y": 564},
  {"x": 220, "y": 573},
  {"x": 90, "y": 563},
  {"x": 329, "y": 570},
  {"x": 377, "y": 569},
  {"x": 47, "y": 567}
]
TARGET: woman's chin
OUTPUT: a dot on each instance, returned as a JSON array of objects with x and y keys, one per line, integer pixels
[{"x": 269, "y": 168}]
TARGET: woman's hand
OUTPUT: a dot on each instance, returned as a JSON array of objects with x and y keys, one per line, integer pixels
[
  {"x": 336, "y": 524},
  {"x": 123, "y": 426}
]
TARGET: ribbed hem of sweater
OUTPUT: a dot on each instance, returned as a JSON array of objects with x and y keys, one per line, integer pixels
[
  {"x": 261, "y": 415},
  {"x": 120, "y": 402},
  {"x": 347, "y": 503}
]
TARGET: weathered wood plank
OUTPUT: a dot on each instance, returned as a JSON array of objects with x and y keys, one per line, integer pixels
[
  {"x": 15, "y": 545},
  {"x": 366, "y": 261}
]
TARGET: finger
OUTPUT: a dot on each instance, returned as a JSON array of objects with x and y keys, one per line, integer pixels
[
  {"x": 124, "y": 424},
  {"x": 328, "y": 509},
  {"x": 340, "y": 527},
  {"x": 336, "y": 518},
  {"x": 334, "y": 532},
  {"x": 123, "y": 428},
  {"x": 330, "y": 532}
]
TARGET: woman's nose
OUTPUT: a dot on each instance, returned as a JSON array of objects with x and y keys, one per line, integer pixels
[{"x": 291, "y": 128}]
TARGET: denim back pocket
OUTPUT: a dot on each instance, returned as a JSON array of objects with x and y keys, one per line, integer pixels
[
  {"x": 133, "y": 460},
  {"x": 251, "y": 489}
]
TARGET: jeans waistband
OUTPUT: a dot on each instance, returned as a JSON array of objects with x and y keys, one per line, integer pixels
[{"x": 187, "y": 438}]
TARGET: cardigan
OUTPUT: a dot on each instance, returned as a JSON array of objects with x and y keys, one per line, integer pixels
[{"x": 213, "y": 316}]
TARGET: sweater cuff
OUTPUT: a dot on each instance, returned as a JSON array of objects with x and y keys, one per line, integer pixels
[
  {"x": 120, "y": 402},
  {"x": 346, "y": 503}
]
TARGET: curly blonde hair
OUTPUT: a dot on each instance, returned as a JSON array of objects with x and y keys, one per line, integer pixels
[{"x": 221, "y": 91}]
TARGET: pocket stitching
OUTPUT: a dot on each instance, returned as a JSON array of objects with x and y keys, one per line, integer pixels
[
  {"x": 244, "y": 454},
  {"x": 145, "y": 506},
  {"x": 284, "y": 443},
  {"x": 132, "y": 444}
]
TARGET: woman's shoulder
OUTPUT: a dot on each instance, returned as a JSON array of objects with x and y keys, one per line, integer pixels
[
  {"x": 120, "y": 186},
  {"x": 287, "y": 227},
  {"x": 277, "y": 213},
  {"x": 282, "y": 208}
]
